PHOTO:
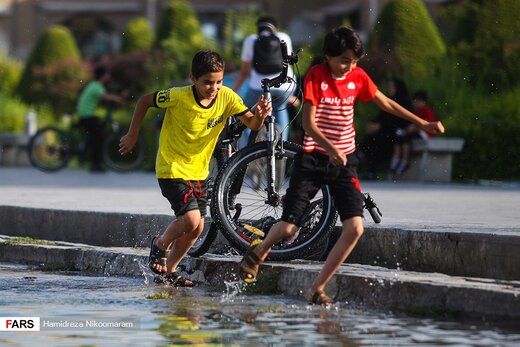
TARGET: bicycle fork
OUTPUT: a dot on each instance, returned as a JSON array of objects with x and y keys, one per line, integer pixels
[{"x": 273, "y": 196}]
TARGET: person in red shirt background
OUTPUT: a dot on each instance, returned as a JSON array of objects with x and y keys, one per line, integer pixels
[
  {"x": 421, "y": 107},
  {"x": 330, "y": 91},
  {"x": 400, "y": 159}
]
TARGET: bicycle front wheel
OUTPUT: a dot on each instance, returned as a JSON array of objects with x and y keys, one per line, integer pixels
[
  {"x": 50, "y": 149},
  {"x": 241, "y": 208},
  {"x": 115, "y": 161}
]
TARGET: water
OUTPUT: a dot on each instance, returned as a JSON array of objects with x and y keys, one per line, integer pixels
[{"x": 162, "y": 316}]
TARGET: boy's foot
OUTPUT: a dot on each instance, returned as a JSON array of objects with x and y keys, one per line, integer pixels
[
  {"x": 157, "y": 258},
  {"x": 249, "y": 265},
  {"x": 173, "y": 279},
  {"x": 319, "y": 298}
]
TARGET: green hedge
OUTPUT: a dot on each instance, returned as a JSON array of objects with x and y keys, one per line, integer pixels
[{"x": 54, "y": 72}]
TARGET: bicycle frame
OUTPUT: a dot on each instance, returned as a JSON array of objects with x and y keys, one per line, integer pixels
[{"x": 273, "y": 196}]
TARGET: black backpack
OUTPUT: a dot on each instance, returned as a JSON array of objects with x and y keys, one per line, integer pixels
[{"x": 267, "y": 54}]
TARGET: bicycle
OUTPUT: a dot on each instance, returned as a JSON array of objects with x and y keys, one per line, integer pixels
[
  {"x": 52, "y": 148},
  {"x": 244, "y": 208},
  {"x": 247, "y": 191}
]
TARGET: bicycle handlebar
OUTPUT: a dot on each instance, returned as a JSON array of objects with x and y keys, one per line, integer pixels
[{"x": 287, "y": 59}]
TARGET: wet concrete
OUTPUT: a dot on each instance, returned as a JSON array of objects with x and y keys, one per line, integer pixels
[
  {"x": 440, "y": 248},
  {"x": 430, "y": 293}
]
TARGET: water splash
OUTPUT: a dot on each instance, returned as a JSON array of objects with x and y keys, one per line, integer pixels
[
  {"x": 233, "y": 290},
  {"x": 144, "y": 270}
]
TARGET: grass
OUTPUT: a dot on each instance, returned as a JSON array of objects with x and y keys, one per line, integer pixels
[{"x": 27, "y": 240}]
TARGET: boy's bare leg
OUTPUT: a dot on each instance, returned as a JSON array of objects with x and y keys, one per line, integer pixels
[
  {"x": 182, "y": 246},
  {"x": 278, "y": 232},
  {"x": 351, "y": 232},
  {"x": 181, "y": 226}
]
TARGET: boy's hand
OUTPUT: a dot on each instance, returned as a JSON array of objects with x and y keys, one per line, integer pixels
[
  {"x": 263, "y": 108},
  {"x": 337, "y": 158},
  {"x": 127, "y": 143},
  {"x": 434, "y": 128}
]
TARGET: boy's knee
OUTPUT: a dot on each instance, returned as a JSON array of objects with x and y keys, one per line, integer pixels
[
  {"x": 191, "y": 220},
  {"x": 354, "y": 227},
  {"x": 287, "y": 229}
]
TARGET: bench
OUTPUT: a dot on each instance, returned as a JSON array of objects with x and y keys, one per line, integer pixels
[
  {"x": 13, "y": 148},
  {"x": 431, "y": 159}
]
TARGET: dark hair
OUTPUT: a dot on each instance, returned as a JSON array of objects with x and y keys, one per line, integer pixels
[
  {"x": 401, "y": 95},
  {"x": 99, "y": 72},
  {"x": 266, "y": 23},
  {"x": 206, "y": 61},
  {"x": 420, "y": 95},
  {"x": 340, "y": 39}
]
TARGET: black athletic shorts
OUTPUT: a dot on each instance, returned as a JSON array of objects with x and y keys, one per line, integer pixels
[
  {"x": 184, "y": 195},
  {"x": 311, "y": 172}
]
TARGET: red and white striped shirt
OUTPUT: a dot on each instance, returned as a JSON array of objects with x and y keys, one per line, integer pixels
[{"x": 334, "y": 100}]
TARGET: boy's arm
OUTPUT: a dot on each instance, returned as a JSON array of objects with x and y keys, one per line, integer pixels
[
  {"x": 256, "y": 120},
  {"x": 336, "y": 157},
  {"x": 390, "y": 106},
  {"x": 127, "y": 142}
]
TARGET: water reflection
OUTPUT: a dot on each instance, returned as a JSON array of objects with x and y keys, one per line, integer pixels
[{"x": 197, "y": 316}]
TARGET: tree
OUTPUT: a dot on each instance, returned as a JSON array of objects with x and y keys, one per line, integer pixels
[
  {"x": 10, "y": 72},
  {"x": 406, "y": 34},
  {"x": 138, "y": 36},
  {"x": 179, "y": 37},
  {"x": 485, "y": 38},
  {"x": 54, "y": 72},
  {"x": 238, "y": 25}
]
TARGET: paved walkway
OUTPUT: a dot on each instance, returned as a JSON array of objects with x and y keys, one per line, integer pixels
[{"x": 436, "y": 207}]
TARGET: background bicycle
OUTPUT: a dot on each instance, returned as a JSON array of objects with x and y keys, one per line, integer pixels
[{"x": 52, "y": 148}]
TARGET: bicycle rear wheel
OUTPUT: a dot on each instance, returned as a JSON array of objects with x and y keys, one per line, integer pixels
[
  {"x": 244, "y": 214},
  {"x": 50, "y": 149},
  {"x": 115, "y": 161}
]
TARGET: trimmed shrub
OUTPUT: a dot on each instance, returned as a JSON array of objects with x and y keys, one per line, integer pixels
[
  {"x": 138, "y": 36},
  {"x": 238, "y": 25},
  {"x": 179, "y": 37},
  {"x": 485, "y": 38},
  {"x": 54, "y": 72},
  {"x": 406, "y": 33},
  {"x": 10, "y": 72}
]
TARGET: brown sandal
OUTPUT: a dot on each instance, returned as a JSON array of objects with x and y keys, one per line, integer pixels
[
  {"x": 320, "y": 298},
  {"x": 174, "y": 279},
  {"x": 250, "y": 263}
]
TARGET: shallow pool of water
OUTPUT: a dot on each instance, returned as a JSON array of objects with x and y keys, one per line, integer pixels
[{"x": 77, "y": 309}]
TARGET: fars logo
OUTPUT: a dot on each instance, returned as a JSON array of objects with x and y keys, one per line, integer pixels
[
  {"x": 19, "y": 323},
  {"x": 324, "y": 86}
]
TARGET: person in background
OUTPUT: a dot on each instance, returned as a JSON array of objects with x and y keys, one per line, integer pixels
[
  {"x": 423, "y": 110},
  {"x": 383, "y": 140},
  {"x": 90, "y": 115},
  {"x": 252, "y": 67}
]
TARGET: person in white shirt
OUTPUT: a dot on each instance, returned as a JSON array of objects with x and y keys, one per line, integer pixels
[{"x": 281, "y": 96}]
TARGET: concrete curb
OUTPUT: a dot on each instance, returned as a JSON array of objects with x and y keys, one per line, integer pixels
[
  {"x": 428, "y": 293},
  {"x": 487, "y": 255}
]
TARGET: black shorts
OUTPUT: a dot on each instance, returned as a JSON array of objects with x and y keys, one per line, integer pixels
[
  {"x": 311, "y": 172},
  {"x": 185, "y": 195}
]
